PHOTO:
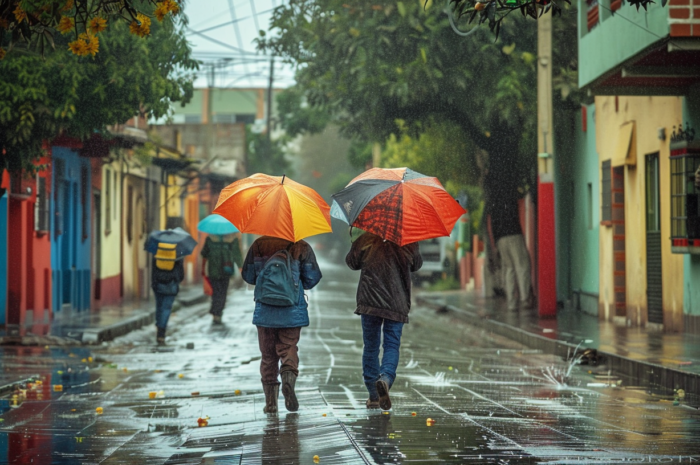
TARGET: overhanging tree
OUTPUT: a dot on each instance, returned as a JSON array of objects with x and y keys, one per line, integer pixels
[
  {"x": 79, "y": 95},
  {"x": 389, "y": 68}
]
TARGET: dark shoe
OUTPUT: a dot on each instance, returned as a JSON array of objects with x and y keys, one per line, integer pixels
[
  {"x": 530, "y": 303},
  {"x": 216, "y": 319},
  {"x": 372, "y": 404},
  {"x": 160, "y": 336},
  {"x": 383, "y": 391},
  {"x": 289, "y": 379},
  {"x": 272, "y": 392}
]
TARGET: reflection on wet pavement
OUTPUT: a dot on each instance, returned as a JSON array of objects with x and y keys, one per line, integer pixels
[{"x": 492, "y": 400}]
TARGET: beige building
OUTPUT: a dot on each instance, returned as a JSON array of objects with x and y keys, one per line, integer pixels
[{"x": 641, "y": 281}]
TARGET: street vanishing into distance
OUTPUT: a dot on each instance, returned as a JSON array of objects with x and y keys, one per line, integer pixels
[{"x": 462, "y": 395}]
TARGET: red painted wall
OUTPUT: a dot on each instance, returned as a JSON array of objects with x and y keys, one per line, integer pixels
[
  {"x": 546, "y": 251},
  {"x": 111, "y": 289},
  {"x": 29, "y": 259}
]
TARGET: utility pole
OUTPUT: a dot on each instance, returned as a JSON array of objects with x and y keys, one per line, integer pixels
[
  {"x": 269, "y": 102},
  {"x": 546, "y": 227},
  {"x": 210, "y": 99}
]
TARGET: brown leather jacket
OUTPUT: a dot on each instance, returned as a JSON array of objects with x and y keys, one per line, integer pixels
[{"x": 385, "y": 281}]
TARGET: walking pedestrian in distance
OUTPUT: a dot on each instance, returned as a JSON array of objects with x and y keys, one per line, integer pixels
[
  {"x": 383, "y": 303},
  {"x": 221, "y": 258},
  {"x": 280, "y": 270},
  {"x": 166, "y": 276}
]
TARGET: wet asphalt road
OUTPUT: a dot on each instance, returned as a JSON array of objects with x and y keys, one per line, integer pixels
[{"x": 492, "y": 400}]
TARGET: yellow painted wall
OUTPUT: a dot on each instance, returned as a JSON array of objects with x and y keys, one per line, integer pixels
[
  {"x": 193, "y": 262},
  {"x": 110, "y": 264},
  {"x": 649, "y": 114},
  {"x": 170, "y": 194}
]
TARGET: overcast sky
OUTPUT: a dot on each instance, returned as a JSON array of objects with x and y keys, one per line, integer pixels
[{"x": 222, "y": 32}]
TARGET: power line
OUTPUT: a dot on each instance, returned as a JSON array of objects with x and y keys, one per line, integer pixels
[
  {"x": 234, "y": 21},
  {"x": 218, "y": 15},
  {"x": 255, "y": 16},
  {"x": 236, "y": 29},
  {"x": 640, "y": 26},
  {"x": 223, "y": 44}
]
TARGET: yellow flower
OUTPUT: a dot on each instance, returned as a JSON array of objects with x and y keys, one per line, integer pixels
[
  {"x": 161, "y": 11},
  {"x": 173, "y": 6},
  {"x": 68, "y": 5},
  {"x": 20, "y": 14},
  {"x": 78, "y": 47},
  {"x": 98, "y": 24},
  {"x": 2, "y": 53},
  {"x": 92, "y": 46},
  {"x": 66, "y": 24},
  {"x": 143, "y": 29}
]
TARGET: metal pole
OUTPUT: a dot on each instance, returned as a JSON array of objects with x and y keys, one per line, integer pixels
[
  {"x": 209, "y": 127},
  {"x": 269, "y": 100},
  {"x": 546, "y": 230}
]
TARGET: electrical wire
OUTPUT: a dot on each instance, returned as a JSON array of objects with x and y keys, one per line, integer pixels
[{"x": 255, "y": 15}]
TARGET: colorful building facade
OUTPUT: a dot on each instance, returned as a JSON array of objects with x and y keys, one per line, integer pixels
[
  {"x": 578, "y": 212},
  {"x": 4, "y": 186},
  {"x": 643, "y": 89},
  {"x": 71, "y": 230}
]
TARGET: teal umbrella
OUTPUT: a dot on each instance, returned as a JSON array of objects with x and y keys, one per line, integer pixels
[{"x": 216, "y": 224}]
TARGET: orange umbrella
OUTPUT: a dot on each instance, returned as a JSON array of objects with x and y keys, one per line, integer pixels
[{"x": 274, "y": 206}]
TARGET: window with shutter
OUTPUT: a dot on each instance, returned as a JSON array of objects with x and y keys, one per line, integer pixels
[{"x": 42, "y": 218}]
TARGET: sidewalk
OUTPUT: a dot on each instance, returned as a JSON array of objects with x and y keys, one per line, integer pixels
[
  {"x": 101, "y": 325},
  {"x": 666, "y": 361}
]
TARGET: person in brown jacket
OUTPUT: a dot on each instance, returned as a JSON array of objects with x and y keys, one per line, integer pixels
[{"x": 383, "y": 303}]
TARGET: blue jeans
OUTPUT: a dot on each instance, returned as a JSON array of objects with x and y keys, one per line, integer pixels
[
  {"x": 164, "y": 305},
  {"x": 372, "y": 370}
]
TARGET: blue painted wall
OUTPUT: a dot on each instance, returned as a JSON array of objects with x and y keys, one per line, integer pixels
[
  {"x": 3, "y": 258},
  {"x": 578, "y": 211},
  {"x": 691, "y": 268},
  {"x": 70, "y": 248}
]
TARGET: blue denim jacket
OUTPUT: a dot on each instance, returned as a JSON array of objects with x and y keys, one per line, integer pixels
[{"x": 304, "y": 269}]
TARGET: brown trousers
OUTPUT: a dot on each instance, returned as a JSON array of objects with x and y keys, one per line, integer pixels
[{"x": 278, "y": 345}]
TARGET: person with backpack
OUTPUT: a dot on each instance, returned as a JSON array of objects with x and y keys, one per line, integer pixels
[
  {"x": 383, "y": 303},
  {"x": 167, "y": 273},
  {"x": 220, "y": 259},
  {"x": 280, "y": 270}
]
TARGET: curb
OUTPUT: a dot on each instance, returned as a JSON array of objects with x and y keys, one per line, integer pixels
[
  {"x": 108, "y": 333},
  {"x": 645, "y": 373}
]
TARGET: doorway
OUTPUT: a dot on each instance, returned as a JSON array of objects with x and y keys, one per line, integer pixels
[{"x": 653, "y": 226}]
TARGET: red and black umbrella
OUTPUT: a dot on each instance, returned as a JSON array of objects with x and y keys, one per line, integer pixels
[{"x": 397, "y": 204}]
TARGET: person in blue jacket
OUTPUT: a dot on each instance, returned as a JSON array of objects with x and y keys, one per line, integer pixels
[{"x": 279, "y": 327}]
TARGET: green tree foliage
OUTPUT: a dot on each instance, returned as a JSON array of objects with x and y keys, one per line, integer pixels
[
  {"x": 442, "y": 150},
  {"x": 393, "y": 70},
  {"x": 266, "y": 156},
  {"x": 296, "y": 116},
  {"x": 62, "y": 93},
  {"x": 387, "y": 69}
]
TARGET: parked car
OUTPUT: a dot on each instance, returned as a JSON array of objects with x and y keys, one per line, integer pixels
[{"x": 437, "y": 259}]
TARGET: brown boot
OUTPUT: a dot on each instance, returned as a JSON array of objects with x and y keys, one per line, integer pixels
[
  {"x": 160, "y": 336},
  {"x": 383, "y": 391},
  {"x": 272, "y": 392},
  {"x": 289, "y": 379},
  {"x": 372, "y": 404}
]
